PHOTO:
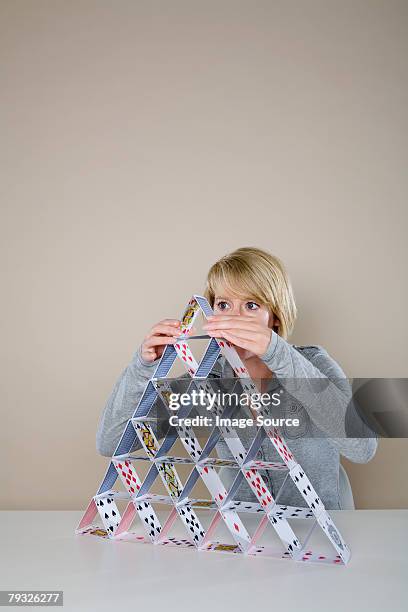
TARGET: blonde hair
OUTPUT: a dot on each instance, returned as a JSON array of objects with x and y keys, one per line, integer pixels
[{"x": 255, "y": 273}]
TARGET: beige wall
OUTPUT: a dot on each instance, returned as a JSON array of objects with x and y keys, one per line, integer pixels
[{"x": 141, "y": 141}]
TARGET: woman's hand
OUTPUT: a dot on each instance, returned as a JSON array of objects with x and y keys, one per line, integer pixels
[
  {"x": 164, "y": 332},
  {"x": 244, "y": 331}
]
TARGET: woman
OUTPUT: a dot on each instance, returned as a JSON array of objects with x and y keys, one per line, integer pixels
[{"x": 254, "y": 308}]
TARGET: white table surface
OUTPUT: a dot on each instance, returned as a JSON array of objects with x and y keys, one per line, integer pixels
[{"x": 39, "y": 550}]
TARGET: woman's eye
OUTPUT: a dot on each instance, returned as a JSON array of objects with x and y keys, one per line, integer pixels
[
  {"x": 251, "y": 305},
  {"x": 221, "y": 305}
]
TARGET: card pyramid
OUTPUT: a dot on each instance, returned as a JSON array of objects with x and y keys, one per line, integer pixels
[{"x": 222, "y": 512}]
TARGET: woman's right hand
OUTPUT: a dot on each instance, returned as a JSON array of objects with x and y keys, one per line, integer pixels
[{"x": 164, "y": 332}]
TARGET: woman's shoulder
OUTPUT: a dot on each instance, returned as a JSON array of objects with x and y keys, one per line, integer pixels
[
  {"x": 321, "y": 358},
  {"x": 309, "y": 348}
]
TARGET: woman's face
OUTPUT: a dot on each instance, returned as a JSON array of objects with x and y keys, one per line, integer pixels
[{"x": 226, "y": 304}]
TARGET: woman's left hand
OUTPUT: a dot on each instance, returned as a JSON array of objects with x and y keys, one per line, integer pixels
[{"x": 242, "y": 330}]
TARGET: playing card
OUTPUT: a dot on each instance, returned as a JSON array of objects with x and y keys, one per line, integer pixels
[
  {"x": 128, "y": 475},
  {"x": 167, "y": 525},
  {"x": 203, "y": 503},
  {"x": 146, "y": 401},
  {"x": 127, "y": 440},
  {"x": 208, "y": 359},
  {"x": 109, "y": 513},
  {"x": 189, "y": 485},
  {"x": 285, "y": 533},
  {"x": 231, "y": 355},
  {"x": 316, "y": 557},
  {"x": 210, "y": 530},
  {"x": 189, "y": 315},
  {"x": 204, "y": 305},
  {"x": 173, "y": 459},
  {"x": 326, "y": 523},
  {"x": 255, "y": 446},
  {"x": 267, "y": 502},
  {"x": 148, "y": 481},
  {"x": 232, "y": 440},
  {"x": 166, "y": 361},
  {"x": 282, "y": 511},
  {"x": 164, "y": 390},
  {"x": 170, "y": 479},
  {"x": 146, "y": 436},
  {"x": 244, "y": 506},
  {"x": 213, "y": 483},
  {"x": 87, "y": 517},
  {"x": 267, "y": 465},
  {"x": 281, "y": 447},
  {"x": 109, "y": 479},
  {"x": 210, "y": 444},
  {"x": 235, "y": 446},
  {"x": 186, "y": 356},
  {"x": 214, "y": 461},
  {"x": 189, "y": 441},
  {"x": 259, "y": 487},
  {"x": 149, "y": 519},
  {"x": 237, "y": 529},
  {"x": 233, "y": 489},
  {"x": 306, "y": 489},
  {"x": 192, "y": 523}
]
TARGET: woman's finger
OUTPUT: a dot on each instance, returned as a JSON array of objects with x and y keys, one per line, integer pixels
[
  {"x": 168, "y": 330},
  {"x": 158, "y": 341},
  {"x": 233, "y": 323},
  {"x": 174, "y": 322},
  {"x": 241, "y": 342},
  {"x": 239, "y": 333},
  {"x": 224, "y": 317},
  {"x": 149, "y": 354}
]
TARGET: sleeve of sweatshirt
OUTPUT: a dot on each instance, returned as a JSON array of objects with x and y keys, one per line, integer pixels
[
  {"x": 328, "y": 402},
  {"x": 122, "y": 403}
]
